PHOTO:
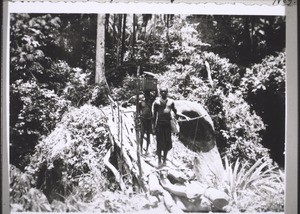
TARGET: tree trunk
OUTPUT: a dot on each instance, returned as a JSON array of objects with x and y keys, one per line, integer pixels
[
  {"x": 100, "y": 50},
  {"x": 123, "y": 38},
  {"x": 252, "y": 38},
  {"x": 119, "y": 39},
  {"x": 114, "y": 29},
  {"x": 168, "y": 26},
  {"x": 247, "y": 42},
  {"x": 106, "y": 23},
  {"x": 133, "y": 35},
  {"x": 146, "y": 18}
]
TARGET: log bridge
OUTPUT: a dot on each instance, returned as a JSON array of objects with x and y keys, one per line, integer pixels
[{"x": 179, "y": 189}]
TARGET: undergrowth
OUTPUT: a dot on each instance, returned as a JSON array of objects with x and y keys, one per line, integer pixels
[
  {"x": 255, "y": 188},
  {"x": 69, "y": 160}
]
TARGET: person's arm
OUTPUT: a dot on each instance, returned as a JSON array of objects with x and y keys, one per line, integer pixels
[
  {"x": 173, "y": 107},
  {"x": 140, "y": 107},
  {"x": 184, "y": 116},
  {"x": 190, "y": 190},
  {"x": 155, "y": 94},
  {"x": 178, "y": 113},
  {"x": 154, "y": 113}
]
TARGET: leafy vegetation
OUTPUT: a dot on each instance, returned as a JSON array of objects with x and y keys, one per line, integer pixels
[
  {"x": 69, "y": 157},
  {"x": 255, "y": 188},
  {"x": 233, "y": 66},
  {"x": 263, "y": 87}
]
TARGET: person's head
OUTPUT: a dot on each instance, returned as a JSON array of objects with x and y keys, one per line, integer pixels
[{"x": 163, "y": 92}]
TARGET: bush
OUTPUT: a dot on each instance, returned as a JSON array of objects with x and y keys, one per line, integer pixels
[
  {"x": 128, "y": 89},
  {"x": 37, "y": 112},
  {"x": 23, "y": 197},
  {"x": 267, "y": 75},
  {"x": 225, "y": 74},
  {"x": 263, "y": 87},
  {"x": 257, "y": 187},
  {"x": 77, "y": 87},
  {"x": 20, "y": 183},
  {"x": 238, "y": 129},
  {"x": 68, "y": 161}
]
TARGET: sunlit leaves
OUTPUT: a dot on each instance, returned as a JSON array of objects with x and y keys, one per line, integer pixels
[
  {"x": 268, "y": 75},
  {"x": 41, "y": 108}
]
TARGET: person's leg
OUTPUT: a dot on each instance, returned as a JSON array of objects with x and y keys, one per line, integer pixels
[
  {"x": 148, "y": 141},
  {"x": 148, "y": 132},
  {"x": 159, "y": 141},
  {"x": 165, "y": 157},
  {"x": 141, "y": 141},
  {"x": 142, "y": 135},
  {"x": 168, "y": 142},
  {"x": 159, "y": 158}
]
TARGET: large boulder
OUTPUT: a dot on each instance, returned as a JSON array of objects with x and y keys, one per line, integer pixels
[{"x": 198, "y": 133}]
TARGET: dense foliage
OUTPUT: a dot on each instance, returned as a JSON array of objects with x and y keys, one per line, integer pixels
[
  {"x": 243, "y": 40},
  {"x": 264, "y": 89},
  {"x": 40, "y": 110},
  {"x": 34, "y": 100},
  {"x": 69, "y": 156},
  {"x": 42, "y": 82},
  {"x": 233, "y": 66}
]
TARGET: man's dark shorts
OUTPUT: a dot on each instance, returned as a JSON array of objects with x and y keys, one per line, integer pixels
[{"x": 163, "y": 136}]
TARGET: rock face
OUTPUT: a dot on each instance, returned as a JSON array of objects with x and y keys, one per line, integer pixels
[{"x": 198, "y": 134}]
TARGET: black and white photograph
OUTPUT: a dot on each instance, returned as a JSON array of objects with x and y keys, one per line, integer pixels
[{"x": 146, "y": 112}]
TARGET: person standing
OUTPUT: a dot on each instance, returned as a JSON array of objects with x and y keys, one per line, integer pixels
[
  {"x": 161, "y": 109},
  {"x": 146, "y": 118}
]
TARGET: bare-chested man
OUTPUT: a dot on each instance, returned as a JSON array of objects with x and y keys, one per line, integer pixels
[
  {"x": 146, "y": 118},
  {"x": 162, "y": 108}
]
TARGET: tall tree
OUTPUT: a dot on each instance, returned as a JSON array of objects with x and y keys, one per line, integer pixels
[
  {"x": 123, "y": 38},
  {"x": 119, "y": 33},
  {"x": 134, "y": 35},
  {"x": 100, "y": 51}
]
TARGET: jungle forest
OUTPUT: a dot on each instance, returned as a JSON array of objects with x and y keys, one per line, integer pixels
[{"x": 74, "y": 143}]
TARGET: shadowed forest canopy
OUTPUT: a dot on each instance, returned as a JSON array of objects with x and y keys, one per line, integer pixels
[{"x": 231, "y": 66}]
